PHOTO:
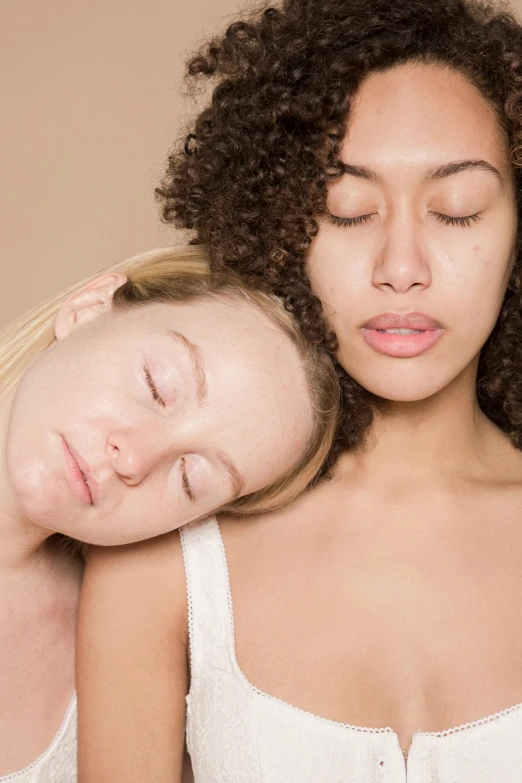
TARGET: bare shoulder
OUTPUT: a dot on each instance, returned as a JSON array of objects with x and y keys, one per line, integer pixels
[
  {"x": 327, "y": 499},
  {"x": 146, "y": 580}
]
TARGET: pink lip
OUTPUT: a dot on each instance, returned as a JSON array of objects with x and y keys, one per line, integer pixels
[
  {"x": 402, "y": 345},
  {"x": 402, "y": 321},
  {"x": 75, "y": 466}
]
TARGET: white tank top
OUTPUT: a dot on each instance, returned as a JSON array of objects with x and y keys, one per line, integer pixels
[
  {"x": 57, "y": 764},
  {"x": 238, "y": 734}
]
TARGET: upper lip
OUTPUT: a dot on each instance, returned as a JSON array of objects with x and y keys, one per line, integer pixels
[
  {"x": 403, "y": 321},
  {"x": 86, "y": 470}
]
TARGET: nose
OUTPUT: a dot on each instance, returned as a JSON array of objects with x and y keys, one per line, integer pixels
[
  {"x": 402, "y": 262},
  {"x": 135, "y": 454}
]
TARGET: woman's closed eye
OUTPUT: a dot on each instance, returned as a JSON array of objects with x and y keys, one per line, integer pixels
[
  {"x": 185, "y": 483},
  {"x": 350, "y": 221},
  {"x": 153, "y": 388},
  {"x": 463, "y": 221}
]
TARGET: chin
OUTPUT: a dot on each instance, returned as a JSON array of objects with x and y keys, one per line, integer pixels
[
  {"x": 398, "y": 387},
  {"x": 406, "y": 395}
]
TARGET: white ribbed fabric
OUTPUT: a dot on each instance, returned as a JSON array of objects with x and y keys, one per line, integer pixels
[
  {"x": 238, "y": 734},
  {"x": 57, "y": 764}
]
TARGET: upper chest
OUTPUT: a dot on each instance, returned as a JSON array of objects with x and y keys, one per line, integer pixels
[{"x": 405, "y": 616}]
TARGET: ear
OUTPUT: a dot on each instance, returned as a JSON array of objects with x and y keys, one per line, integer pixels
[{"x": 87, "y": 303}]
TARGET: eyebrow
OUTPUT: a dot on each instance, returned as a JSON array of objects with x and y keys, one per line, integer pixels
[
  {"x": 236, "y": 479},
  {"x": 197, "y": 365},
  {"x": 438, "y": 172},
  {"x": 448, "y": 169},
  {"x": 359, "y": 171}
]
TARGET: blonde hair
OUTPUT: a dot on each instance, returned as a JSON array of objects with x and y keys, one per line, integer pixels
[{"x": 170, "y": 275}]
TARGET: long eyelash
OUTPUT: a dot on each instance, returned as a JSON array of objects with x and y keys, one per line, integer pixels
[
  {"x": 356, "y": 221},
  {"x": 463, "y": 222},
  {"x": 187, "y": 489},
  {"x": 150, "y": 383},
  {"x": 448, "y": 220}
]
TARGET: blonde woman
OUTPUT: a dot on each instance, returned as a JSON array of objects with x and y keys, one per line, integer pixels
[{"x": 143, "y": 399}]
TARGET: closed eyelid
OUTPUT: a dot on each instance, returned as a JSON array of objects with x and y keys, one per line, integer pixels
[
  {"x": 153, "y": 388},
  {"x": 185, "y": 481},
  {"x": 357, "y": 220}
]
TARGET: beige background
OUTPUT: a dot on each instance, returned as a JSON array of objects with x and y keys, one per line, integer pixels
[
  {"x": 91, "y": 103},
  {"x": 90, "y": 106}
]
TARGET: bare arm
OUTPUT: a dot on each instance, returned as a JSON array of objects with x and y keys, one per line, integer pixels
[{"x": 132, "y": 664}]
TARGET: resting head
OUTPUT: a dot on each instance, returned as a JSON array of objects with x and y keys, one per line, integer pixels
[{"x": 156, "y": 394}]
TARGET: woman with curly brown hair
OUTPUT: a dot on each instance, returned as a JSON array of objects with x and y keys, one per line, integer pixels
[{"x": 359, "y": 158}]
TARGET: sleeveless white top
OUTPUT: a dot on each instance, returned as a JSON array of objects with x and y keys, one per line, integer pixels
[
  {"x": 238, "y": 734},
  {"x": 57, "y": 764}
]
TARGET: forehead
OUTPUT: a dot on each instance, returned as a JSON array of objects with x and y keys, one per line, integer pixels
[
  {"x": 422, "y": 115},
  {"x": 257, "y": 388},
  {"x": 234, "y": 339},
  {"x": 232, "y": 323}
]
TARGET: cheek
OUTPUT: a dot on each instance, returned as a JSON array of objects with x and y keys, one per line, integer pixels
[
  {"x": 338, "y": 270},
  {"x": 33, "y": 408},
  {"x": 93, "y": 385},
  {"x": 476, "y": 283},
  {"x": 31, "y": 458}
]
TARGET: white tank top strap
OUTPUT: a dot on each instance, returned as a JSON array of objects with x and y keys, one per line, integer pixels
[
  {"x": 219, "y": 715},
  {"x": 211, "y": 631}
]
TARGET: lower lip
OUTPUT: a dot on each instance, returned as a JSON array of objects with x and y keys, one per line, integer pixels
[
  {"x": 75, "y": 478},
  {"x": 402, "y": 345}
]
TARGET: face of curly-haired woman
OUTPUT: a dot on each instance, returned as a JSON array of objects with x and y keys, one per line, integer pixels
[{"x": 413, "y": 257}]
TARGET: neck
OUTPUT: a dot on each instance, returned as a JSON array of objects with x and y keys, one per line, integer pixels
[
  {"x": 442, "y": 438},
  {"x": 21, "y": 542}
]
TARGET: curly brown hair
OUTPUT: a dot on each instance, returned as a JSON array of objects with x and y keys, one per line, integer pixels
[{"x": 251, "y": 178}]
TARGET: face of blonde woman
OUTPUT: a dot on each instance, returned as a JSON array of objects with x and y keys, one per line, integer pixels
[{"x": 133, "y": 423}]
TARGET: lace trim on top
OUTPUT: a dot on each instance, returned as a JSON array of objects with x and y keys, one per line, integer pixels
[
  {"x": 472, "y": 724},
  {"x": 254, "y": 689},
  {"x": 190, "y": 613},
  {"x": 60, "y": 734}
]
